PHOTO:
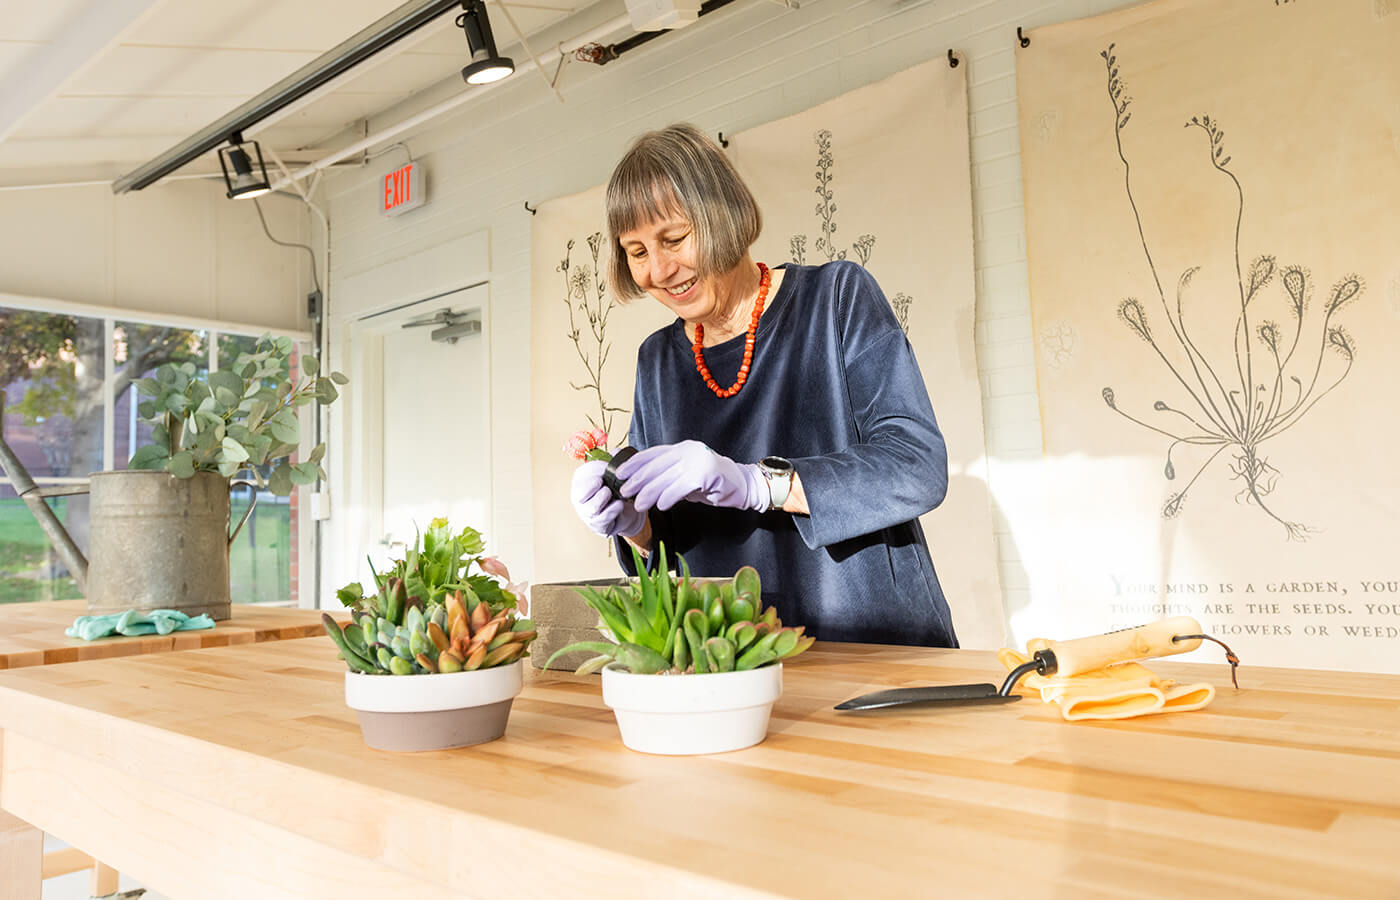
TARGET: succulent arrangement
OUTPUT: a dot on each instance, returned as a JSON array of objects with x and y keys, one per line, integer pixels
[
  {"x": 429, "y": 616},
  {"x": 235, "y": 419},
  {"x": 662, "y": 625}
]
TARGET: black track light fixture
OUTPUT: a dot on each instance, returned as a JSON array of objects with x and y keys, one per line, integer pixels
[
  {"x": 241, "y": 179},
  {"x": 486, "y": 65}
]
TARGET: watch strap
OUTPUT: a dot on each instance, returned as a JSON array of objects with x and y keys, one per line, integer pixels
[{"x": 779, "y": 482}]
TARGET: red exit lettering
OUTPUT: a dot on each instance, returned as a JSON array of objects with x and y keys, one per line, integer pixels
[
  {"x": 398, "y": 187},
  {"x": 401, "y": 190}
]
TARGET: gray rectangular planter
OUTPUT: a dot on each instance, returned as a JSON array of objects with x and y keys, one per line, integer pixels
[{"x": 562, "y": 617}]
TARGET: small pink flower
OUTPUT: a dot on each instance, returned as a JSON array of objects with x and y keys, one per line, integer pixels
[
  {"x": 492, "y": 565},
  {"x": 522, "y": 598},
  {"x": 584, "y": 440}
]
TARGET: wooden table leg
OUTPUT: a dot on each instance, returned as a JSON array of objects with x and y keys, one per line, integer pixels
[
  {"x": 104, "y": 880},
  {"x": 21, "y": 859}
]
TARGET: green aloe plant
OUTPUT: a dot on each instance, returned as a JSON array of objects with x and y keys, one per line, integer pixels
[
  {"x": 658, "y": 624},
  {"x": 238, "y": 419}
]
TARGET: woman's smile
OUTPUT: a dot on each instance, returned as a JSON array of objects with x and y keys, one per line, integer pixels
[{"x": 679, "y": 291}]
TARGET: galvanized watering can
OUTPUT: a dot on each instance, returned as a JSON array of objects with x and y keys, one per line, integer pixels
[{"x": 158, "y": 542}]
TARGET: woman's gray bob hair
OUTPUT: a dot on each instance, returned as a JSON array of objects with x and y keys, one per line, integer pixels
[{"x": 680, "y": 171}]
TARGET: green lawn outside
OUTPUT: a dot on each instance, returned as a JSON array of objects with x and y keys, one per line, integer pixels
[{"x": 259, "y": 561}]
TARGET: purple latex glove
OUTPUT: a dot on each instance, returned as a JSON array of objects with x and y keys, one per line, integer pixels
[
  {"x": 665, "y": 475},
  {"x": 595, "y": 504}
]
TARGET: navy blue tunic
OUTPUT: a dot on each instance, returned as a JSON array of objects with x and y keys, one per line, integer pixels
[{"x": 833, "y": 387}]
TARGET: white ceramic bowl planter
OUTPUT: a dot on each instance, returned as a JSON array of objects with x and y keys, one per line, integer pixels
[
  {"x": 691, "y": 714},
  {"x": 433, "y": 712}
]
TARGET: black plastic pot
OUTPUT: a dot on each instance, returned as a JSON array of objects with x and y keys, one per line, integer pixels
[{"x": 610, "y": 476}]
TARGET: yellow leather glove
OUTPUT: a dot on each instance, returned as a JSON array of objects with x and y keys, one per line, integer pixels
[{"x": 1119, "y": 691}]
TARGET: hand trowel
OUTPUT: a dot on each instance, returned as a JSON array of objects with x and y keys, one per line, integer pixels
[{"x": 1179, "y": 634}]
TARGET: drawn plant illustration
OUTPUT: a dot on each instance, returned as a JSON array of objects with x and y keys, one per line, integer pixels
[
  {"x": 587, "y": 299},
  {"x": 1276, "y": 375},
  {"x": 863, "y": 246}
]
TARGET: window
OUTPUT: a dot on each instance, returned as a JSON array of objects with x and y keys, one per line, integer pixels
[
  {"x": 51, "y": 376},
  {"x": 68, "y": 383}
]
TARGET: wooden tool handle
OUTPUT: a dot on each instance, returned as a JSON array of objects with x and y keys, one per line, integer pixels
[{"x": 1143, "y": 642}]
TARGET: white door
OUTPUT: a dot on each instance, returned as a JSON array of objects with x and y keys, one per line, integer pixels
[{"x": 435, "y": 419}]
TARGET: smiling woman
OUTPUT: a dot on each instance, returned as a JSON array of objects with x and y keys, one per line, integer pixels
[{"x": 781, "y": 420}]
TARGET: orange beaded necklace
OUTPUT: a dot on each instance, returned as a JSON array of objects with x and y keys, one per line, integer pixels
[{"x": 699, "y": 345}]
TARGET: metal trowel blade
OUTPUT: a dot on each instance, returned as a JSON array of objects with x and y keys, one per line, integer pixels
[{"x": 953, "y": 694}]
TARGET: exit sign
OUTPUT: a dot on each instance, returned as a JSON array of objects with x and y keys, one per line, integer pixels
[{"x": 402, "y": 190}]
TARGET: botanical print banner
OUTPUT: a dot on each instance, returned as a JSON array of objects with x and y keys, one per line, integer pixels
[
  {"x": 1212, "y": 196},
  {"x": 879, "y": 176}
]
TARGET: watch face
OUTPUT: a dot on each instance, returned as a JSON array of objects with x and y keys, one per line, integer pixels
[{"x": 775, "y": 464}]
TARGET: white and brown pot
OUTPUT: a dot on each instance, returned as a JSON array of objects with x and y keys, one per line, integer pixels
[
  {"x": 691, "y": 714},
  {"x": 433, "y": 712}
]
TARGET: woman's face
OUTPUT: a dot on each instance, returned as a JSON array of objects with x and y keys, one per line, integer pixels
[{"x": 662, "y": 256}]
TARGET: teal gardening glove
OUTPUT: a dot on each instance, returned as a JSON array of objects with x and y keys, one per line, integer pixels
[{"x": 133, "y": 622}]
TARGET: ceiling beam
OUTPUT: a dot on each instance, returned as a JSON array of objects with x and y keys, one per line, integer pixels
[
  {"x": 82, "y": 41},
  {"x": 362, "y": 46}
]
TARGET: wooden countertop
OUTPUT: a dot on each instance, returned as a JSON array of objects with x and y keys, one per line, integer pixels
[
  {"x": 31, "y": 634},
  {"x": 240, "y": 772}
]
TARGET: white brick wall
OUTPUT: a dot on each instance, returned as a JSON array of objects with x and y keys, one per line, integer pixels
[{"x": 748, "y": 63}]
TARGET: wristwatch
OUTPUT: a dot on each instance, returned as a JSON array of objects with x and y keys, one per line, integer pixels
[{"x": 779, "y": 473}]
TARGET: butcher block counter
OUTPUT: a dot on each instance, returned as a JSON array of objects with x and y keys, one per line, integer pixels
[
  {"x": 239, "y": 772},
  {"x": 31, "y": 634}
]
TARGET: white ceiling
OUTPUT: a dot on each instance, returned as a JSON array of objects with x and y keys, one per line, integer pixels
[{"x": 95, "y": 88}]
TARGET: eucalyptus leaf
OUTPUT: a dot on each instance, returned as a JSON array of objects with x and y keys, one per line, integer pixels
[
  {"x": 280, "y": 481},
  {"x": 339, "y": 378},
  {"x": 309, "y": 365},
  {"x": 225, "y": 397},
  {"x": 305, "y": 473},
  {"x": 182, "y": 464},
  {"x": 146, "y": 409},
  {"x": 148, "y": 457},
  {"x": 317, "y": 453},
  {"x": 287, "y": 434},
  {"x": 227, "y": 380},
  {"x": 148, "y": 386},
  {"x": 234, "y": 451}
]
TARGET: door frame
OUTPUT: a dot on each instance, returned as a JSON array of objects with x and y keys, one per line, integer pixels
[{"x": 364, "y": 451}]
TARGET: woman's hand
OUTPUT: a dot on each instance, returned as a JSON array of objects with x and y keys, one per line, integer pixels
[
  {"x": 595, "y": 504},
  {"x": 665, "y": 475}
]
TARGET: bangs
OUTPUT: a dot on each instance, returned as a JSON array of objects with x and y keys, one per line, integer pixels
[{"x": 637, "y": 197}]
